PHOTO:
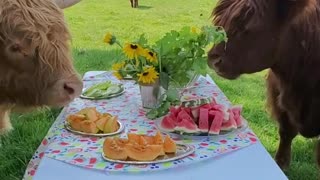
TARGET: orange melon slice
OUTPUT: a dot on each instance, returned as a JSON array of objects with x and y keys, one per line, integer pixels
[
  {"x": 113, "y": 151},
  {"x": 101, "y": 123},
  {"x": 74, "y": 121},
  {"x": 89, "y": 127},
  {"x": 149, "y": 139},
  {"x": 143, "y": 153},
  {"x": 133, "y": 138},
  {"x": 111, "y": 125},
  {"x": 169, "y": 146},
  {"x": 158, "y": 138},
  {"x": 90, "y": 113}
]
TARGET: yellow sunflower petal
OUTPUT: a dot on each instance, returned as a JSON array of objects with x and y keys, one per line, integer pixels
[
  {"x": 108, "y": 38},
  {"x": 148, "y": 76},
  {"x": 133, "y": 50},
  {"x": 151, "y": 56}
]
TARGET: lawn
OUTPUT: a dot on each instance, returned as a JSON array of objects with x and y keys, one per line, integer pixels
[{"x": 89, "y": 20}]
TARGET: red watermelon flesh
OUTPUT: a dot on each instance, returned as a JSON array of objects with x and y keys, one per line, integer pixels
[
  {"x": 183, "y": 114},
  {"x": 175, "y": 111},
  {"x": 168, "y": 124},
  {"x": 223, "y": 109},
  {"x": 188, "y": 126},
  {"x": 230, "y": 124},
  {"x": 204, "y": 120},
  {"x": 216, "y": 124},
  {"x": 236, "y": 110}
]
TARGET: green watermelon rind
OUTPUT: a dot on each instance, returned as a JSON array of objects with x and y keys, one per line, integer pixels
[{"x": 195, "y": 103}]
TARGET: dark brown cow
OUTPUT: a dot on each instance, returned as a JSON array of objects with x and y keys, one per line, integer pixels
[
  {"x": 283, "y": 35},
  {"x": 36, "y": 66},
  {"x": 134, "y": 3}
]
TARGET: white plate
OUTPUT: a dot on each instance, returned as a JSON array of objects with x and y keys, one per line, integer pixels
[
  {"x": 121, "y": 128},
  {"x": 106, "y": 97},
  {"x": 182, "y": 151}
]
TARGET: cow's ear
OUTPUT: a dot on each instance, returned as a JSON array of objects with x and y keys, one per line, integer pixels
[{"x": 296, "y": 10}]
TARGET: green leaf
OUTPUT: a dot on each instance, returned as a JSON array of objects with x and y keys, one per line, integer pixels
[
  {"x": 142, "y": 40},
  {"x": 172, "y": 95},
  {"x": 164, "y": 80}
]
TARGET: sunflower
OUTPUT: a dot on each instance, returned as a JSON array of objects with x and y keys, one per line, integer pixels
[
  {"x": 133, "y": 50},
  {"x": 149, "y": 75},
  {"x": 151, "y": 56},
  {"x": 116, "y": 70},
  {"x": 109, "y": 39}
]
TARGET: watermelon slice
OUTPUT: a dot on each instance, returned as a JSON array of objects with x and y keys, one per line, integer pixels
[
  {"x": 204, "y": 120},
  {"x": 223, "y": 109},
  {"x": 168, "y": 124},
  {"x": 216, "y": 124},
  {"x": 188, "y": 126},
  {"x": 175, "y": 110},
  {"x": 230, "y": 124},
  {"x": 236, "y": 110},
  {"x": 183, "y": 114}
]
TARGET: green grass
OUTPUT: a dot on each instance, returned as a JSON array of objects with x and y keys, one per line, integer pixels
[{"x": 89, "y": 20}]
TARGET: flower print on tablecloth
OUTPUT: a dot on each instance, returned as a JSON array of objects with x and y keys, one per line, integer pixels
[{"x": 85, "y": 151}]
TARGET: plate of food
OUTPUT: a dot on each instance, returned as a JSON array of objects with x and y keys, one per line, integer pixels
[
  {"x": 143, "y": 149},
  {"x": 89, "y": 121},
  {"x": 103, "y": 90},
  {"x": 202, "y": 117}
]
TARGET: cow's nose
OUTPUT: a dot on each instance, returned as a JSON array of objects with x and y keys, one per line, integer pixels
[
  {"x": 214, "y": 57},
  {"x": 73, "y": 88}
]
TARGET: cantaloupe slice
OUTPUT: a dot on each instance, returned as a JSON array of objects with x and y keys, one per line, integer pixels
[
  {"x": 113, "y": 151},
  {"x": 89, "y": 127},
  {"x": 158, "y": 138},
  {"x": 133, "y": 138},
  {"x": 74, "y": 121},
  {"x": 111, "y": 125},
  {"x": 101, "y": 123},
  {"x": 91, "y": 113},
  {"x": 121, "y": 142},
  {"x": 149, "y": 139},
  {"x": 107, "y": 115},
  {"x": 169, "y": 146},
  {"x": 143, "y": 153}
]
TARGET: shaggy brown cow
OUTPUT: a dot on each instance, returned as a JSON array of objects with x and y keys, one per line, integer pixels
[
  {"x": 35, "y": 59},
  {"x": 285, "y": 37},
  {"x": 134, "y": 3}
]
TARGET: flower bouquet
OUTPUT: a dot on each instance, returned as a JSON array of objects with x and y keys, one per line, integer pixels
[{"x": 168, "y": 64}]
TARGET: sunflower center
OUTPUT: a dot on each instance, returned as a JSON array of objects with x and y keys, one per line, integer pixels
[
  {"x": 145, "y": 73},
  {"x": 133, "y": 46},
  {"x": 151, "y": 53}
]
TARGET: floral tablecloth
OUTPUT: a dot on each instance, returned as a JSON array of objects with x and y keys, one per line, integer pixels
[{"x": 85, "y": 151}]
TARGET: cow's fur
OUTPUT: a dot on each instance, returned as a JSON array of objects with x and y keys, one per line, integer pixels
[
  {"x": 134, "y": 3},
  {"x": 285, "y": 37},
  {"x": 36, "y": 66}
]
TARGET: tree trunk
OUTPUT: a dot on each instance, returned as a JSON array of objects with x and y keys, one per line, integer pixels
[{"x": 66, "y": 3}]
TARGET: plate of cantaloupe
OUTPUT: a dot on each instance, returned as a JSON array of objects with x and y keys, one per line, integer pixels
[
  {"x": 89, "y": 121},
  {"x": 143, "y": 149}
]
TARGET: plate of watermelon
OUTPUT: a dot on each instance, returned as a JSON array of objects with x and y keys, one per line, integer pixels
[{"x": 203, "y": 117}]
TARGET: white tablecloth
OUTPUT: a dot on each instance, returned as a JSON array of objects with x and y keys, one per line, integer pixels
[{"x": 250, "y": 163}]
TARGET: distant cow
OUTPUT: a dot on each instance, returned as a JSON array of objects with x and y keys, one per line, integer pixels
[
  {"x": 36, "y": 67},
  {"x": 134, "y": 3},
  {"x": 285, "y": 37}
]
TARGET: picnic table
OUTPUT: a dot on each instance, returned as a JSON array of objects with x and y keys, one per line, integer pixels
[{"x": 64, "y": 155}]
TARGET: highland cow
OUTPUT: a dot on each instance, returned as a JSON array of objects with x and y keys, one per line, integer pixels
[
  {"x": 284, "y": 37},
  {"x": 36, "y": 67}
]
